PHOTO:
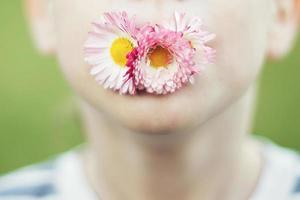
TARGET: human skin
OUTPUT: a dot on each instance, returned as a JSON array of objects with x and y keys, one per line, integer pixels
[
  {"x": 186, "y": 137},
  {"x": 243, "y": 32}
]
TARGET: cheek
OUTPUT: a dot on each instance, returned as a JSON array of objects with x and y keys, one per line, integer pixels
[
  {"x": 73, "y": 20},
  {"x": 242, "y": 30}
]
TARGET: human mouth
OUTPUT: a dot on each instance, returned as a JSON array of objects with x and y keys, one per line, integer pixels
[{"x": 148, "y": 60}]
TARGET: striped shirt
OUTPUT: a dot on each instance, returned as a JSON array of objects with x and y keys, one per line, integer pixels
[{"x": 63, "y": 178}]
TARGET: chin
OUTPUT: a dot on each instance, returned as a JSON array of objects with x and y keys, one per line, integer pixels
[
  {"x": 157, "y": 123},
  {"x": 155, "y": 114}
]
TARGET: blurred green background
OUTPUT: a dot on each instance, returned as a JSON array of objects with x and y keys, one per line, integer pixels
[{"x": 38, "y": 117}]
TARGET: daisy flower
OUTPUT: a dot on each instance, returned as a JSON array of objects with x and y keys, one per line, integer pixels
[
  {"x": 106, "y": 49},
  {"x": 162, "y": 62},
  {"x": 193, "y": 30}
]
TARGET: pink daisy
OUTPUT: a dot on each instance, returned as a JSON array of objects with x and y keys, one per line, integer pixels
[
  {"x": 106, "y": 49},
  {"x": 194, "y": 31},
  {"x": 162, "y": 62}
]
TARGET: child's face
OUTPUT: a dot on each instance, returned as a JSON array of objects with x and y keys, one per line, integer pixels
[{"x": 242, "y": 28}]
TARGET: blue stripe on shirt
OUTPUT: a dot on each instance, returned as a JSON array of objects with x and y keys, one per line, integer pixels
[
  {"x": 40, "y": 190},
  {"x": 297, "y": 186}
]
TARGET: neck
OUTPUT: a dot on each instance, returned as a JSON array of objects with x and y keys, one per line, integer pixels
[{"x": 125, "y": 165}]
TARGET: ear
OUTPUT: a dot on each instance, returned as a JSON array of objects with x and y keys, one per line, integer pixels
[
  {"x": 39, "y": 15},
  {"x": 284, "y": 27}
]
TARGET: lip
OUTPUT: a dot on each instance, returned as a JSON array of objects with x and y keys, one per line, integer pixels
[{"x": 145, "y": 94}]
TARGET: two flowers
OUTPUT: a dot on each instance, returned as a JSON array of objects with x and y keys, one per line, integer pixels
[{"x": 156, "y": 58}]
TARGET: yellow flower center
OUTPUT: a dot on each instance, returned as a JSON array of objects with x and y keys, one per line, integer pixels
[
  {"x": 119, "y": 50},
  {"x": 160, "y": 57}
]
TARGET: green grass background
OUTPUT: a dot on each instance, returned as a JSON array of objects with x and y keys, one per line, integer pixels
[{"x": 37, "y": 115}]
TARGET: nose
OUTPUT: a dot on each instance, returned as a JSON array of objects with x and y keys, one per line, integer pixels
[{"x": 156, "y": 10}]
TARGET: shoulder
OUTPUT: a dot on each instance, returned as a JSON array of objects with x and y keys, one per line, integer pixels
[
  {"x": 280, "y": 178},
  {"x": 29, "y": 183},
  {"x": 57, "y": 179}
]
